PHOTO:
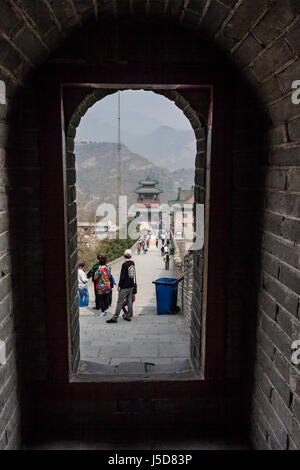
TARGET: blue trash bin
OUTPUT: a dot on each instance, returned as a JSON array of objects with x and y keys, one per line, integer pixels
[{"x": 166, "y": 294}]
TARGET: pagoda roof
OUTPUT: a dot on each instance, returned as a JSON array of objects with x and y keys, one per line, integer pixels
[
  {"x": 148, "y": 182},
  {"x": 151, "y": 190}
]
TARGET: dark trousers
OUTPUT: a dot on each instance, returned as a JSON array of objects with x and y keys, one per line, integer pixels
[
  {"x": 103, "y": 301},
  {"x": 97, "y": 300}
]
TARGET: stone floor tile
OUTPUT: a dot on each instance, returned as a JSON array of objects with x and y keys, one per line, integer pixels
[
  {"x": 142, "y": 350},
  {"x": 125, "y": 368},
  {"x": 158, "y": 360},
  {"x": 96, "y": 368},
  {"x": 172, "y": 350},
  {"x": 89, "y": 351},
  {"x": 117, "y": 350},
  {"x": 114, "y": 361}
]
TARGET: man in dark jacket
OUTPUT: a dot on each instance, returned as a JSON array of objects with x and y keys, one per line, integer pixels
[{"x": 125, "y": 288}]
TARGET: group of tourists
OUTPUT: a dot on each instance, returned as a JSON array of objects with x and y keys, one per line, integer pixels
[
  {"x": 104, "y": 283},
  {"x": 143, "y": 245},
  {"x": 165, "y": 238}
]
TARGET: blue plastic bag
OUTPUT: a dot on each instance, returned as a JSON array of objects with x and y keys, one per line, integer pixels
[{"x": 84, "y": 296}]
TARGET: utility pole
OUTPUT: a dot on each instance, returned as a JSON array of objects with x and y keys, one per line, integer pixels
[{"x": 119, "y": 182}]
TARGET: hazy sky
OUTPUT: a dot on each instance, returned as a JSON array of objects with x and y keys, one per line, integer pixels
[
  {"x": 141, "y": 113},
  {"x": 151, "y": 104}
]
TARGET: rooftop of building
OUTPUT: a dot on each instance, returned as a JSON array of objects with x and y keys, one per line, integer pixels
[
  {"x": 148, "y": 182},
  {"x": 183, "y": 195},
  {"x": 142, "y": 190}
]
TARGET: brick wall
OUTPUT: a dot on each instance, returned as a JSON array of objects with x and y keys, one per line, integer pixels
[
  {"x": 9, "y": 407},
  {"x": 22, "y": 324},
  {"x": 183, "y": 266},
  {"x": 275, "y": 387},
  {"x": 178, "y": 269},
  {"x": 188, "y": 287},
  {"x": 195, "y": 262}
]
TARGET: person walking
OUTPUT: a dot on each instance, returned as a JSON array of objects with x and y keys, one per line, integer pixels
[
  {"x": 104, "y": 286},
  {"x": 83, "y": 293},
  {"x": 167, "y": 260},
  {"x": 126, "y": 288}
]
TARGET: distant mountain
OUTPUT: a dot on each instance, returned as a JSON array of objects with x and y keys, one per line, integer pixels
[
  {"x": 104, "y": 127},
  {"x": 166, "y": 146},
  {"x": 96, "y": 176}
]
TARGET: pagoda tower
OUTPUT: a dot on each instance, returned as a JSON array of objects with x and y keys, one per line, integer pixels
[{"x": 148, "y": 203}]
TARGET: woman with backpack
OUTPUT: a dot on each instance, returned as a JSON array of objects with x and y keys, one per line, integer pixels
[{"x": 104, "y": 283}]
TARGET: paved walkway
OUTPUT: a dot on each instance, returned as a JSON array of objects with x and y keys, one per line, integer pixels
[{"x": 149, "y": 344}]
